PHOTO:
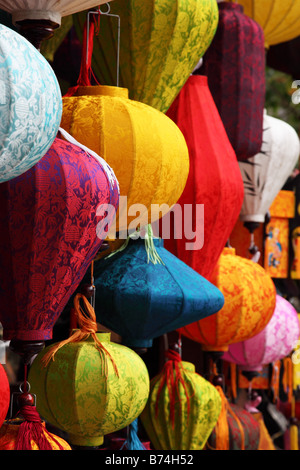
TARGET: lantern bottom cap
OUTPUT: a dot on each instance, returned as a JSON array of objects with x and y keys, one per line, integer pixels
[
  {"x": 45, "y": 15},
  {"x": 85, "y": 441}
]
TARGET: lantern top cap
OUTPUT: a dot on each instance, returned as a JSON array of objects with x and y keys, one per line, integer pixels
[
  {"x": 228, "y": 251},
  {"x": 201, "y": 80},
  {"x": 102, "y": 90}
]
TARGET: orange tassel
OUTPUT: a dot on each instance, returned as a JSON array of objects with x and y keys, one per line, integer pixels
[
  {"x": 222, "y": 428},
  {"x": 233, "y": 380},
  {"x": 88, "y": 327},
  {"x": 287, "y": 379},
  {"x": 275, "y": 380}
]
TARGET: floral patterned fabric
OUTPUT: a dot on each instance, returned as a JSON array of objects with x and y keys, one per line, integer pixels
[
  {"x": 30, "y": 105},
  {"x": 197, "y": 408},
  {"x": 161, "y": 43},
  {"x": 276, "y": 341},
  {"x": 141, "y": 300},
  {"x": 250, "y": 299},
  {"x": 49, "y": 236},
  {"x": 75, "y": 395},
  {"x": 237, "y": 50},
  {"x": 4, "y": 394}
]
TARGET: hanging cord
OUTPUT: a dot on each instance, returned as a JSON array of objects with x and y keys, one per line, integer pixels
[{"x": 88, "y": 327}]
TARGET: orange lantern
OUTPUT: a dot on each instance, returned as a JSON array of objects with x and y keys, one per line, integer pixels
[{"x": 250, "y": 298}]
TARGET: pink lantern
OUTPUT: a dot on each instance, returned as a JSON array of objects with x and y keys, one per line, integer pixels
[{"x": 275, "y": 342}]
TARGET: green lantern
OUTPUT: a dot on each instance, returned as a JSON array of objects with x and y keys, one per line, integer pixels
[
  {"x": 183, "y": 408},
  {"x": 93, "y": 387}
]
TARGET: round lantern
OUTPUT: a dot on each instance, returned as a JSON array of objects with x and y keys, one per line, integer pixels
[
  {"x": 4, "y": 395},
  {"x": 264, "y": 174},
  {"x": 81, "y": 393},
  {"x": 276, "y": 341},
  {"x": 49, "y": 235},
  {"x": 30, "y": 105},
  {"x": 214, "y": 180},
  {"x": 182, "y": 408},
  {"x": 141, "y": 300},
  {"x": 146, "y": 149},
  {"x": 250, "y": 298},
  {"x": 9, "y": 433},
  {"x": 162, "y": 41},
  {"x": 236, "y": 50},
  {"x": 279, "y": 20}
]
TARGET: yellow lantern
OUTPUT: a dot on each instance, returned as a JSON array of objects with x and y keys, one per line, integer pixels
[
  {"x": 144, "y": 147},
  {"x": 279, "y": 20}
]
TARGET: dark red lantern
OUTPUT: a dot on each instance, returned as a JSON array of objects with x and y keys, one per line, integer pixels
[
  {"x": 235, "y": 67},
  {"x": 214, "y": 180},
  {"x": 49, "y": 236}
]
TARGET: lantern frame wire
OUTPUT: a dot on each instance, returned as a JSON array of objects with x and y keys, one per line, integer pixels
[{"x": 105, "y": 13}]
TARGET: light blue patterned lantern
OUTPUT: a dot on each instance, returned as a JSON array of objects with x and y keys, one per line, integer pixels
[{"x": 30, "y": 105}]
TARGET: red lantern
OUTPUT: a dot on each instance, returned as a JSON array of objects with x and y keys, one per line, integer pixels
[
  {"x": 214, "y": 179},
  {"x": 235, "y": 67},
  {"x": 49, "y": 236},
  {"x": 4, "y": 395}
]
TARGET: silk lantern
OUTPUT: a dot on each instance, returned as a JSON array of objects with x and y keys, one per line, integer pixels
[
  {"x": 250, "y": 299},
  {"x": 279, "y": 20},
  {"x": 236, "y": 51},
  {"x": 146, "y": 149},
  {"x": 162, "y": 41},
  {"x": 30, "y": 105},
  {"x": 141, "y": 300},
  {"x": 4, "y": 394},
  {"x": 214, "y": 180},
  {"x": 104, "y": 386},
  {"x": 274, "y": 342},
  {"x": 49, "y": 236},
  {"x": 182, "y": 408},
  {"x": 265, "y": 174}
]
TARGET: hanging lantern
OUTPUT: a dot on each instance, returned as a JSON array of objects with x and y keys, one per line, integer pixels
[
  {"x": 279, "y": 20},
  {"x": 30, "y": 105},
  {"x": 214, "y": 180},
  {"x": 4, "y": 395},
  {"x": 49, "y": 236},
  {"x": 274, "y": 342},
  {"x": 236, "y": 50},
  {"x": 141, "y": 300},
  {"x": 162, "y": 41},
  {"x": 250, "y": 298},
  {"x": 265, "y": 174},
  {"x": 182, "y": 408},
  {"x": 146, "y": 149},
  {"x": 276, "y": 252},
  {"x": 102, "y": 386}
]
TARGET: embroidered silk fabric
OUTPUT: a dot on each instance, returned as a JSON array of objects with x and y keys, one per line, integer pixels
[
  {"x": 250, "y": 298},
  {"x": 214, "y": 179},
  {"x": 4, "y": 394},
  {"x": 250, "y": 426},
  {"x": 144, "y": 147},
  {"x": 279, "y": 20},
  {"x": 192, "y": 426},
  {"x": 30, "y": 105},
  {"x": 9, "y": 435},
  {"x": 235, "y": 67},
  {"x": 276, "y": 341},
  {"x": 76, "y": 396},
  {"x": 161, "y": 43},
  {"x": 49, "y": 236},
  {"x": 140, "y": 300}
]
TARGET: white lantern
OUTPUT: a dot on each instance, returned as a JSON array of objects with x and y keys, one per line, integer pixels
[
  {"x": 30, "y": 105},
  {"x": 50, "y": 10},
  {"x": 265, "y": 174}
]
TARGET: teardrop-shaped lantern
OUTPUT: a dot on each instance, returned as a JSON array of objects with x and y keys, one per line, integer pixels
[
  {"x": 161, "y": 43},
  {"x": 236, "y": 51},
  {"x": 250, "y": 299},
  {"x": 30, "y": 105},
  {"x": 141, "y": 300},
  {"x": 276, "y": 341},
  {"x": 146, "y": 149},
  {"x": 4, "y": 394},
  {"x": 182, "y": 408},
  {"x": 89, "y": 392},
  {"x": 214, "y": 181},
  {"x": 264, "y": 174},
  {"x": 49, "y": 236}
]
